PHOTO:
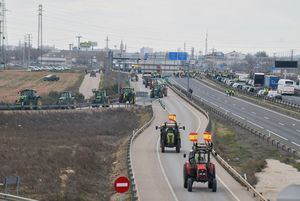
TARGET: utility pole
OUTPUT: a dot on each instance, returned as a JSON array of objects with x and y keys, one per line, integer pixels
[
  {"x": 24, "y": 52},
  {"x": 184, "y": 46},
  {"x": 106, "y": 40},
  {"x": 292, "y": 54},
  {"x": 28, "y": 37},
  {"x": 119, "y": 75},
  {"x": 206, "y": 38},
  {"x": 3, "y": 32},
  {"x": 40, "y": 33},
  {"x": 78, "y": 47},
  {"x": 71, "y": 46}
]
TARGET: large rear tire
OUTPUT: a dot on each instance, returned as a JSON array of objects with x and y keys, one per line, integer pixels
[
  {"x": 214, "y": 185},
  {"x": 185, "y": 176},
  {"x": 178, "y": 148},
  {"x": 189, "y": 184},
  {"x": 210, "y": 184}
]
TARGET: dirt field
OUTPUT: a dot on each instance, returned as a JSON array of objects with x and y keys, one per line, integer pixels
[
  {"x": 246, "y": 153},
  {"x": 67, "y": 155},
  {"x": 13, "y": 81}
]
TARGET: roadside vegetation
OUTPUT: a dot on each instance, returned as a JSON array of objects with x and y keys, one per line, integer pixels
[
  {"x": 67, "y": 155},
  {"x": 246, "y": 153}
]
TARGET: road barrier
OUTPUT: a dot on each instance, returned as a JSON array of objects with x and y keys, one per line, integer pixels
[
  {"x": 196, "y": 102},
  {"x": 284, "y": 103},
  {"x": 8, "y": 197},
  {"x": 255, "y": 129},
  {"x": 131, "y": 174}
]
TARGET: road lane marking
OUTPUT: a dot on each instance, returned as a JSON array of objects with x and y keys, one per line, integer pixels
[
  {"x": 255, "y": 124},
  {"x": 298, "y": 131},
  {"x": 281, "y": 123},
  {"x": 296, "y": 144},
  {"x": 293, "y": 124},
  {"x": 234, "y": 196},
  {"x": 188, "y": 106},
  {"x": 238, "y": 116},
  {"x": 266, "y": 117},
  {"x": 248, "y": 102},
  {"x": 277, "y": 135},
  {"x": 163, "y": 171},
  {"x": 253, "y": 112}
]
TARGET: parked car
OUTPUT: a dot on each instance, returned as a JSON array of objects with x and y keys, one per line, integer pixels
[
  {"x": 51, "y": 77},
  {"x": 274, "y": 95},
  {"x": 262, "y": 92}
]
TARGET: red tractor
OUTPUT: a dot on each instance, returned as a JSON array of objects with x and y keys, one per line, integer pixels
[{"x": 199, "y": 168}]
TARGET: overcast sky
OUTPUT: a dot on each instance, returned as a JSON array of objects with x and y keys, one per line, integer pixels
[{"x": 247, "y": 26}]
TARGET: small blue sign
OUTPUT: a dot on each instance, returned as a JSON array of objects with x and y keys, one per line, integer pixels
[{"x": 181, "y": 56}]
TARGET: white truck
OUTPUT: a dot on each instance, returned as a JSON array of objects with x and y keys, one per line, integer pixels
[{"x": 286, "y": 86}]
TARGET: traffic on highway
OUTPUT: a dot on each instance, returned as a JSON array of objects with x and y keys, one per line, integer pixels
[{"x": 155, "y": 100}]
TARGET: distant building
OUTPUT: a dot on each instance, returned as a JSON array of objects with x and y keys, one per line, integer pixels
[
  {"x": 235, "y": 56},
  {"x": 146, "y": 50},
  {"x": 215, "y": 55}
]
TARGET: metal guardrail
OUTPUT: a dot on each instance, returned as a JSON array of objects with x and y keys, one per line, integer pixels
[
  {"x": 13, "y": 107},
  {"x": 8, "y": 197},
  {"x": 183, "y": 94},
  {"x": 254, "y": 95},
  {"x": 131, "y": 174}
]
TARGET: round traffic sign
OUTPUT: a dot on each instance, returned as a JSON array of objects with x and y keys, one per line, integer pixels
[{"x": 122, "y": 184}]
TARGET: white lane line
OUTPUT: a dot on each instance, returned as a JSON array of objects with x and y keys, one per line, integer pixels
[
  {"x": 250, "y": 103},
  {"x": 238, "y": 116},
  {"x": 186, "y": 105},
  {"x": 255, "y": 124},
  {"x": 234, "y": 196},
  {"x": 296, "y": 144},
  {"x": 298, "y": 131},
  {"x": 253, "y": 112},
  {"x": 266, "y": 117},
  {"x": 277, "y": 135},
  {"x": 293, "y": 124},
  {"x": 281, "y": 123},
  {"x": 163, "y": 171}
]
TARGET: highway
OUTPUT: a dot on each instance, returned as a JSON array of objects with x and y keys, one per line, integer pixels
[
  {"x": 159, "y": 176},
  {"x": 283, "y": 126}
]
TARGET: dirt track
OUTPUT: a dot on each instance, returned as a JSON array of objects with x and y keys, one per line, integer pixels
[{"x": 65, "y": 155}]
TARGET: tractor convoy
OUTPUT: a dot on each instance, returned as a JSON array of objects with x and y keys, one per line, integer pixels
[{"x": 198, "y": 167}]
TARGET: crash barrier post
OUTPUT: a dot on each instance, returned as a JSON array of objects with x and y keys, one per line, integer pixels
[
  {"x": 131, "y": 174},
  {"x": 8, "y": 197},
  {"x": 182, "y": 93}
]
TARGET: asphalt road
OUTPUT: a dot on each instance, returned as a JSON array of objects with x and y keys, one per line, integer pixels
[
  {"x": 292, "y": 99},
  {"x": 88, "y": 84},
  {"x": 284, "y": 127},
  {"x": 159, "y": 175}
]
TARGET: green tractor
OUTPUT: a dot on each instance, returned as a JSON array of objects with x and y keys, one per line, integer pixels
[
  {"x": 66, "y": 100},
  {"x": 156, "y": 91},
  {"x": 100, "y": 98},
  {"x": 170, "y": 136},
  {"x": 127, "y": 95},
  {"x": 28, "y": 99}
]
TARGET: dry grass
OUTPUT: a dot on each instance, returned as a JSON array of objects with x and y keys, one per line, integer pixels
[
  {"x": 13, "y": 81},
  {"x": 66, "y": 155}
]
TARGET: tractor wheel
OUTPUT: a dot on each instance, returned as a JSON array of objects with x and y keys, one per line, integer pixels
[
  {"x": 214, "y": 185},
  {"x": 189, "y": 184},
  {"x": 178, "y": 147},
  {"x": 210, "y": 184},
  {"x": 185, "y": 176}
]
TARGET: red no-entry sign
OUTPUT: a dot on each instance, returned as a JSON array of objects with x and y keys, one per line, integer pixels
[{"x": 122, "y": 185}]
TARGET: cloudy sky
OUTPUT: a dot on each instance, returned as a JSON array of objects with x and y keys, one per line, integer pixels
[{"x": 241, "y": 25}]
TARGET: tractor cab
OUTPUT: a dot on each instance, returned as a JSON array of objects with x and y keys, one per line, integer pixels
[
  {"x": 170, "y": 135},
  {"x": 100, "y": 98},
  {"x": 66, "y": 100},
  {"x": 127, "y": 94},
  {"x": 28, "y": 93}
]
